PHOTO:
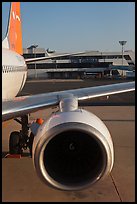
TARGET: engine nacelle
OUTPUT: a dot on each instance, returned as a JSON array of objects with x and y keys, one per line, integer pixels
[{"x": 73, "y": 150}]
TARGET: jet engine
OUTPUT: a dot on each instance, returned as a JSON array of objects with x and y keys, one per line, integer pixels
[{"x": 72, "y": 150}]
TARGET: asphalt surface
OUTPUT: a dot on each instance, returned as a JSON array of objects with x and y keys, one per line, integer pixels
[{"x": 19, "y": 180}]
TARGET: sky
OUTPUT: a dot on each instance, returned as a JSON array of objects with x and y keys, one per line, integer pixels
[{"x": 76, "y": 26}]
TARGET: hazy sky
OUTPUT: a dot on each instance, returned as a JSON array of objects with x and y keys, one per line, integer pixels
[{"x": 76, "y": 26}]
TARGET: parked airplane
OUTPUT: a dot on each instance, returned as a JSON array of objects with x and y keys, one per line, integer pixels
[{"x": 73, "y": 148}]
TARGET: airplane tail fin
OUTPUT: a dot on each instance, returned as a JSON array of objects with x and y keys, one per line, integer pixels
[{"x": 13, "y": 39}]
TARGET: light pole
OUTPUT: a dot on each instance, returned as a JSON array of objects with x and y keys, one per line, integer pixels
[{"x": 122, "y": 43}]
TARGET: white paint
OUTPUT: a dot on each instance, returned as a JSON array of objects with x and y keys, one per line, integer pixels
[
  {"x": 5, "y": 43},
  {"x": 15, "y": 16},
  {"x": 72, "y": 119},
  {"x": 12, "y": 80}
]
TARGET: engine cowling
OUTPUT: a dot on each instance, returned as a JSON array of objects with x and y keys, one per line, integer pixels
[{"x": 73, "y": 150}]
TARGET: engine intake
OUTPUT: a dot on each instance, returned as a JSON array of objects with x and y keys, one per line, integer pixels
[{"x": 72, "y": 155}]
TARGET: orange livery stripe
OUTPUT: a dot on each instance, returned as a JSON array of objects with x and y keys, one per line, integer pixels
[{"x": 15, "y": 28}]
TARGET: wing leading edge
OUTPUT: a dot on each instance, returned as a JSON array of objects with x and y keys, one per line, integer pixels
[{"x": 27, "y": 104}]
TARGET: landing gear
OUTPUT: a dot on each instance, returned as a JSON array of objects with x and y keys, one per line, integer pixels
[
  {"x": 21, "y": 140},
  {"x": 31, "y": 138},
  {"x": 14, "y": 143}
]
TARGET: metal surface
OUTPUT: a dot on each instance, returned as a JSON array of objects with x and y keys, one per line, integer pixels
[
  {"x": 21, "y": 183},
  {"x": 28, "y": 104},
  {"x": 90, "y": 137}
]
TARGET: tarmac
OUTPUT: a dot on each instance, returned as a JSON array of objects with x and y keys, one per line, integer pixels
[{"x": 20, "y": 182}]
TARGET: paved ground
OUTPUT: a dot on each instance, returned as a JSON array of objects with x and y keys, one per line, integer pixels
[{"x": 20, "y": 182}]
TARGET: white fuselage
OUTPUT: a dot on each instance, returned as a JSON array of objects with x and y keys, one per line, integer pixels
[{"x": 14, "y": 74}]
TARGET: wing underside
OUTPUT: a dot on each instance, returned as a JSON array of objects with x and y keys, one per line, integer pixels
[{"x": 27, "y": 104}]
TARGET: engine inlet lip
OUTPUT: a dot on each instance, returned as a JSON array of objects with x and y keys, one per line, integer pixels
[{"x": 40, "y": 148}]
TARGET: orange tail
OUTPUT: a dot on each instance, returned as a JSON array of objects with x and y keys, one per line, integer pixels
[{"x": 14, "y": 34}]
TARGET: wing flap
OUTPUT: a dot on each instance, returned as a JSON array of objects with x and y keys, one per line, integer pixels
[{"x": 27, "y": 104}]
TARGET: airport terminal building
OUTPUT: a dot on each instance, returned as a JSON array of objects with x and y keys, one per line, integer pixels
[{"x": 89, "y": 64}]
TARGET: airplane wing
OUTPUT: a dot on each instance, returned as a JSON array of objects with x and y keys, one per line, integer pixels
[
  {"x": 27, "y": 104},
  {"x": 53, "y": 57}
]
